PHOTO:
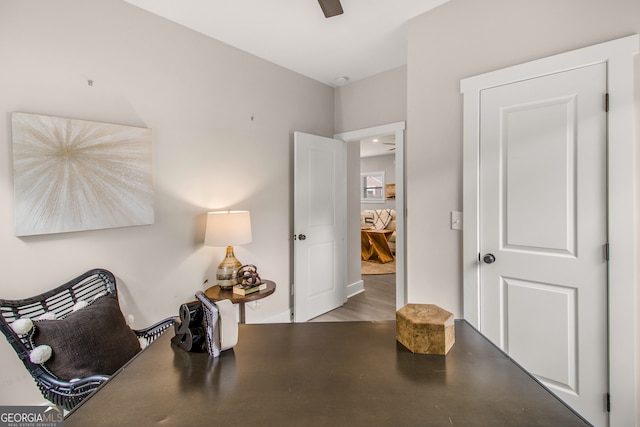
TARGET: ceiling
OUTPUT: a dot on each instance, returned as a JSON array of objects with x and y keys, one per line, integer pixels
[
  {"x": 378, "y": 146},
  {"x": 370, "y": 37}
]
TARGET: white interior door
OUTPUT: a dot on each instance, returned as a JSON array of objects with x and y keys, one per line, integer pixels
[
  {"x": 543, "y": 274},
  {"x": 319, "y": 221}
]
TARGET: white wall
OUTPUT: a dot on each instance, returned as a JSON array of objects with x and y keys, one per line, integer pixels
[{"x": 222, "y": 124}]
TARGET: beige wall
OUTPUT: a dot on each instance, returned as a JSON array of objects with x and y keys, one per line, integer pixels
[
  {"x": 222, "y": 124},
  {"x": 374, "y": 101}
]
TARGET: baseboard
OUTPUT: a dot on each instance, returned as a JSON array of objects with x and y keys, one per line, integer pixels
[{"x": 355, "y": 288}]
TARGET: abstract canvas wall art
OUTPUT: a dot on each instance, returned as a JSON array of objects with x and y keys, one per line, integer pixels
[{"x": 75, "y": 175}]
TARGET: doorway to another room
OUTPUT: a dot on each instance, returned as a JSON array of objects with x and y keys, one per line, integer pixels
[
  {"x": 375, "y": 229},
  {"x": 378, "y": 223}
]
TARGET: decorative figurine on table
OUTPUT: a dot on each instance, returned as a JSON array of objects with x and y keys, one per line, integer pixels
[
  {"x": 248, "y": 275},
  {"x": 248, "y": 280}
]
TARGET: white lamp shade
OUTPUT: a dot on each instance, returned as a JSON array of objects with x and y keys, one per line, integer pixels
[{"x": 228, "y": 228}]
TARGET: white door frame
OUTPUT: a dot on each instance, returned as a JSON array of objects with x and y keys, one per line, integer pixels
[
  {"x": 398, "y": 130},
  {"x": 623, "y": 316}
]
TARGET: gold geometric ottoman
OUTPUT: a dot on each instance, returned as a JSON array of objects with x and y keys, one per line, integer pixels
[{"x": 425, "y": 329}]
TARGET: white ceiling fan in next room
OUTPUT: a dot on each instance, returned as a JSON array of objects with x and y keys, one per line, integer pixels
[{"x": 331, "y": 8}]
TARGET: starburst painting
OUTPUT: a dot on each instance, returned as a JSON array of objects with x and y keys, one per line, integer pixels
[{"x": 75, "y": 175}]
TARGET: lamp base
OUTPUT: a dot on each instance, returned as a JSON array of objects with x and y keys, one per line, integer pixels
[{"x": 227, "y": 273}]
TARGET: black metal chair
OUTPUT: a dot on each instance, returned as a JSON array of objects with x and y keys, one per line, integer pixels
[{"x": 61, "y": 301}]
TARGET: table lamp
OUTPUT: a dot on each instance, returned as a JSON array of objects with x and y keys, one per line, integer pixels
[{"x": 228, "y": 228}]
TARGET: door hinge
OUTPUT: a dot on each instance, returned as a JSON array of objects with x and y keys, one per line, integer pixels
[
  {"x": 608, "y": 402},
  {"x": 607, "y": 254},
  {"x": 606, "y": 102}
]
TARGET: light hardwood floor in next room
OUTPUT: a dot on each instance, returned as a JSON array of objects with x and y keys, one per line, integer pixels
[{"x": 376, "y": 303}]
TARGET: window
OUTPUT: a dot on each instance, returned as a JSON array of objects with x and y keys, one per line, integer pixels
[{"x": 372, "y": 188}]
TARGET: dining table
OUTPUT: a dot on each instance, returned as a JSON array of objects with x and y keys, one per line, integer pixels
[{"x": 375, "y": 245}]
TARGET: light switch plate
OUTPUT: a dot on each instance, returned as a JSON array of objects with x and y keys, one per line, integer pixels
[{"x": 456, "y": 220}]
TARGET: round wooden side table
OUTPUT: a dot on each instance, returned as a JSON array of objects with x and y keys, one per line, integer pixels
[{"x": 214, "y": 293}]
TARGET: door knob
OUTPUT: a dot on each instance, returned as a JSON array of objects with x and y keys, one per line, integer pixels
[
  {"x": 301, "y": 237},
  {"x": 489, "y": 259}
]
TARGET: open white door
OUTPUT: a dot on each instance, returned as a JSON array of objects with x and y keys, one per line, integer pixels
[{"x": 319, "y": 222}]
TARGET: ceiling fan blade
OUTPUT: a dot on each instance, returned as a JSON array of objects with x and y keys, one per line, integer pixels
[{"x": 331, "y": 8}]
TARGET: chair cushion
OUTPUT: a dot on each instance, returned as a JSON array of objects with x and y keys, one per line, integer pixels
[
  {"x": 366, "y": 219},
  {"x": 93, "y": 340}
]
